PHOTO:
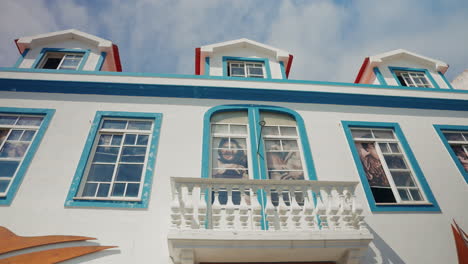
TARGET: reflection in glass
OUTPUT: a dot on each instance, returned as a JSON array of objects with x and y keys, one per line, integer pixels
[{"x": 461, "y": 153}]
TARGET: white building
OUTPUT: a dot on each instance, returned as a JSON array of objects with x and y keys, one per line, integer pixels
[{"x": 194, "y": 168}]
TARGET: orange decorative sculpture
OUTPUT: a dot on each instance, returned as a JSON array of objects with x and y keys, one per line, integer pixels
[
  {"x": 10, "y": 242},
  {"x": 461, "y": 242}
]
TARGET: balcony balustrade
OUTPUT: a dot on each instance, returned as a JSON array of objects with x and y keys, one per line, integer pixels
[{"x": 265, "y": 205}]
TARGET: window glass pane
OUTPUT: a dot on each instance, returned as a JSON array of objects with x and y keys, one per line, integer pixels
[
  {"x": 133, "y": 154},
  {"x": 71, "y": 61},
  {"x": 8, "y": 120},
  {"x": 101, "y": 172},
  {"x": 103, "y": 190},
  {"x": 139, "y": 125},
  {"x": 116, "y": 140},
  {"x": 237, "y": 71},
  {"x": 29, "y": 121},
  {"x": 402, "y": 178},
  {"x": 270, "y": 131},
  {"x": 238, "y": 143},
  {"x": 383, "y": 195},
  {"x": 361, "y": 133},
  {"x": 90, "y": 189},
  {"x": 395, "y": 162},
  {"x": 219, "y": 129},
  {"x": 119, "y": 189},
  {"x": 403, "y": 194},
  {"x": 4, "y": 185},
  {"x": 383, "y": 134},
  {"x": 231, "y": 163},
  {"x": 114, "y": 124},
  {"x": 239, "y": 129},
  {"x": 384, "y": 147},
  {"x": 461, "y": 155},
  {"x": 416, "y": 195},
  {"x": 8, "y": 168},
  {"x": 277, "y": 119},
  {"x": 3, "y": 135},
  {"x": 454, "y": 136},
  {"x": 288, "y": 131},
  {"x": 466, "y": 136},
  {"x": 394, "y": 147},
  {"x": 13, "y": 149},
  {"x": 15, "y": 135},
  {"x": 129, "y": 172},
  {"x": 28, "y": 135},
  {"x": 272, "y": 145},
  {"x": 130, "y": 139},
  {"x": 105, "y": 139},
  {"x": 142, "y": 140},
  {"x": 256, "y": 71},
  {"x": 290, "y": 145},
  {"x": 132, "y": 190},
  {"x": 284, "y": 165},
  {"x": 234, "y": 117},
  {"x": 52, "y": 63},
  {"x": 106, "y": 154}
]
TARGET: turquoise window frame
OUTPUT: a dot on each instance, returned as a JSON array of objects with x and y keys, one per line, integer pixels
[
  {"x": 379, "y": 76},
  {"x": 101, "y": 60},
  {"x": 439, "y": 129},
  {"x": 22, "y": 169},
  {"x": 44, "y": 51},
  {"x": 283, "y": 71},
  {"x": 146, "y": 185},
  {"x": 21, "y": 58},
  {"x": 259, "y": 169},
  {"x": 449, "y": 85},
  {"x": 425, "y": 71},
  {"x": 432, "y": 205},
  {"x": 266, "y": 64}
]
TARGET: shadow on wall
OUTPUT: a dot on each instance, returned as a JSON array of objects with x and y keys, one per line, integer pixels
[{"x": 380, "y": 252}]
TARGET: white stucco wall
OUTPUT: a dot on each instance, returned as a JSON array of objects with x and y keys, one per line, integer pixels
[
  {"x": 216, "y": 60},
  {"x": 141, "y": 235},
  {"x": 90, "y": 64},
  {"x": 461, "y": 81},
  {"x": 408, "y": 63}
]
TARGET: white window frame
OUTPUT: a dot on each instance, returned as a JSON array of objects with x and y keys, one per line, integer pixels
[
  {"x": 387, "y": 171},
  {"x": 62, "y": 56},
  {"x": 89, "y": 163},
  {"x": 247, "y": 73},
  {"x": 17, "y": 127},
  {"x": 412, "y": 76}
]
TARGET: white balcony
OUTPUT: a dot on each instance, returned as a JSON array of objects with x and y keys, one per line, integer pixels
[{"x": 235, "y": 220}]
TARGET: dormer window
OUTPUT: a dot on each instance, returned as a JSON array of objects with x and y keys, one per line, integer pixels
[
  {"x": 413, "y": 79},
  {"x": 61, "y": 61},
  {"x": 246, "y": 69}
]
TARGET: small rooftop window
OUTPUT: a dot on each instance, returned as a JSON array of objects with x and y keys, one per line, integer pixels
[
  {"x": 245, "y": 69},
  {"x": 413, "y": 79},
  {"x": 61, "y": 61}
]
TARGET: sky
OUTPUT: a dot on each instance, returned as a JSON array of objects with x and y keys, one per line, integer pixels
[{"x": 328, "y": 38}]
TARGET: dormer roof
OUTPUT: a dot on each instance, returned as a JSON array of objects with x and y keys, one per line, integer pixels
[
  {"x": 376, "y": 60},
  {"x": 101, "y": 44},
  {"x": 208, "y": 50}
]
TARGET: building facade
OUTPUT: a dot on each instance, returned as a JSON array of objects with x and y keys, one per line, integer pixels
[{"x": 235, "y": 164}]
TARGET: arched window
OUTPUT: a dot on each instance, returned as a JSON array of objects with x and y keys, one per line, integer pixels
[{"x": 256, "y": 142}]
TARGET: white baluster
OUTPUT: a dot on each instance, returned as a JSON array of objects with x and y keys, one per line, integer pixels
[
  {"x": 358, "y": 218},
  {"x": 216, "y": 209},
  {"x": 283, "y": 210},
  {"x": 270, "y": 211},
  {"x": 202, "y": 207},
  {"x": 322, "y": 203},
  {"x": 309, "y": 215},
  {"x": 296, "y": 209},
  {"x": 188, "y": 207},
  {"x": 345, "y": 210},
  {"x": 229, "y": 208},
  {"x": 175, "y": 208},
  {"x": 256, "y": 210},
  {"x": 244, "y": 209}
]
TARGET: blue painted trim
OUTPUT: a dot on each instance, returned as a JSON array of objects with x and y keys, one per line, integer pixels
[
  {"x": 203, "y": 77},
  {"x": 21, "y": 58},
  {"x": 101, "y": 60},
  {"x": 45, "y": 50},
  {"x": 449, "y": 85},
  {"x": 433, "y": 207},
  {"x": 379, "y": 76},
  {"x": 47, "y": 114},
  {"x": 265, "y": 62},
  {"x": 425, "y": 71},
  {"x": 213, "y": 92},
  {"x": 283, "y": 71},
  {"x": 76, "y": 182},
  {"x": 207, "y": 66},
  {"x": 439, "y": 129}
]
